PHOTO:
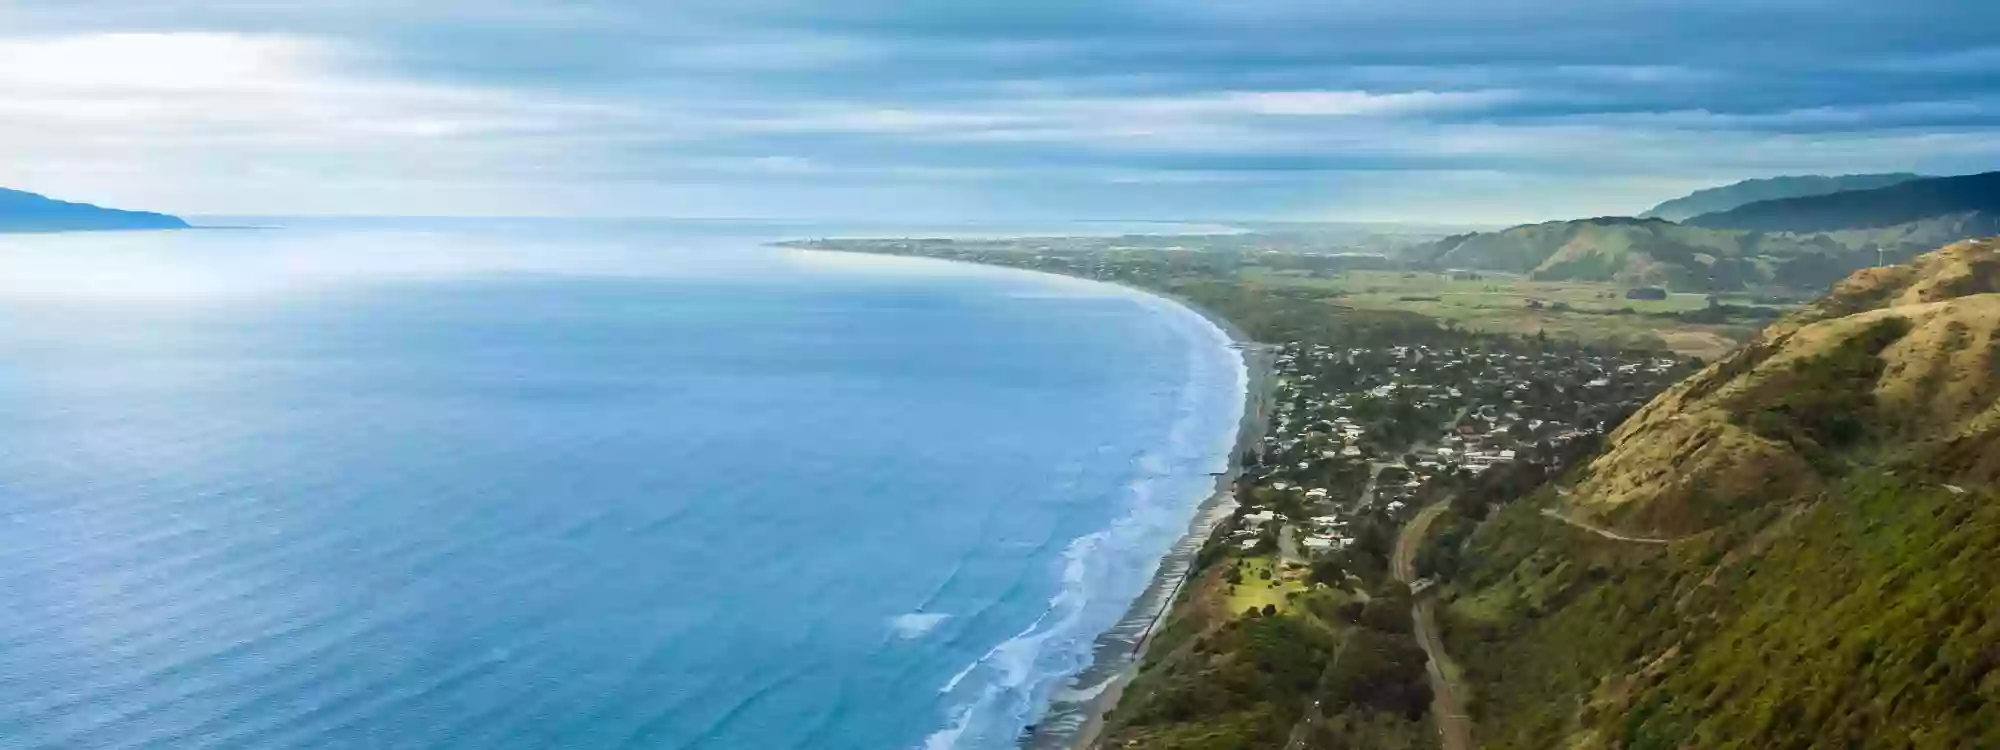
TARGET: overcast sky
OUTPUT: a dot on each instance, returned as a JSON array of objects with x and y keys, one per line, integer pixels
[{"x": 1416, "y": 110}]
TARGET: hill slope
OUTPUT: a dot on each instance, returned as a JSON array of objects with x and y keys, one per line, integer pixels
[
  {"x": 1828, "y": 500},
  {"x": 1648, "y": 252},
  {"x": 1953, "y": 199},
  {"x": 1727, "y": 197},
  {"x": 28, "y": 212},
  {"x": 1795, "y": 244}
]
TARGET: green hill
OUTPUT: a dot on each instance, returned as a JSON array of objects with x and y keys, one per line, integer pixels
[
  {"x": 1727, "y": 197},
  {"x": 1790, "y": 549},
  {"x": 1649, "y": 252}
]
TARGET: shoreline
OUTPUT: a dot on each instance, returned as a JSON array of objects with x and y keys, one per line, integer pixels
[{"x": 1076, "y": 713}]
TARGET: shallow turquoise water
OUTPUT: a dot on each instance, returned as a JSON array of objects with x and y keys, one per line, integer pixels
[{"x": 520, "y": 484}]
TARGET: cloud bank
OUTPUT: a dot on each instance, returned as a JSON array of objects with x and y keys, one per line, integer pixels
[{"x": 1449, "y": 110}]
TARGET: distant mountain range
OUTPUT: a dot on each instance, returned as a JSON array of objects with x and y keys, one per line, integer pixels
[
  {"x": 1727, "y": 197},
  {"x": 1879, "y": 208},
  {"x": 1800, "y": 244},
  {"x": 28, "y": 212}
]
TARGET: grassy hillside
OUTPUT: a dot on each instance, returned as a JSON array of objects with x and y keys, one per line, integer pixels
[
  {"x": 1789, "y": 549},
  {"x": 1227, "y": 673},
  {"x": 1650, "y": 252},
  {"x": 1858, "y": 617},
  {"x": 1788, "y": 245},
  {"x": 1730, "y": 196}
]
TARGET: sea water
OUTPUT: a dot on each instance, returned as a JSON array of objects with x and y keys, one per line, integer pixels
[{"x": 572, "y": 485}]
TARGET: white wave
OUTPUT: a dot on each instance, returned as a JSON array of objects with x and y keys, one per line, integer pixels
[
  {"x": 916, "y": 624},
  {"x": 1087, "y": 693},
  {"x": 1103, "y": 572}
]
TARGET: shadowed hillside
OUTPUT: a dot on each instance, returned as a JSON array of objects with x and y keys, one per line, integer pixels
[
  {"x": 1951, "y": 199},
  {"x": 1730, "y": 196}
]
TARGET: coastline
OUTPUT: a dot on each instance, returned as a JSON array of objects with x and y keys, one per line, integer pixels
[{"x": 1076, "y": 714}]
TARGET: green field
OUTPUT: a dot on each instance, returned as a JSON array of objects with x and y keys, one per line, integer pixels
[
  {"x": 1256, "y": 591},
  {"x": 1503, "y": 303}
]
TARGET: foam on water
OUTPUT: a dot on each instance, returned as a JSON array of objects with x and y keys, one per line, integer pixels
[
  {"x": 1101, "y": 572},
  {"x": 916, "y": 624}
]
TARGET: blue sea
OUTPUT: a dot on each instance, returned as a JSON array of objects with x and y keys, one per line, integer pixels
[{"x": 538, "y": 484}]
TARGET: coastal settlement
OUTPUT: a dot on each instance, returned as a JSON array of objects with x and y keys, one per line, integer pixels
[{"x": 1294, "y": 627}]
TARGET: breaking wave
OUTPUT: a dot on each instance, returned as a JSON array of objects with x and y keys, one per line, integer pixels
[{"x": 1008, "y": 688}]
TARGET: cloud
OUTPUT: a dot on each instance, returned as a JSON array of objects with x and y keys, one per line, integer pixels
[
  {"x": 87, "y": 115},
  {"x": 1168, "y": 107},
  {"x": 239, "y": 88}
]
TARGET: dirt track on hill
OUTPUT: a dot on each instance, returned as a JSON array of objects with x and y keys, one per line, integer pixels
[{"x": 1454, "y": 725}]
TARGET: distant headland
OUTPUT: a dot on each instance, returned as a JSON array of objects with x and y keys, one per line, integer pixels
[{"x": 27, "y": 212}]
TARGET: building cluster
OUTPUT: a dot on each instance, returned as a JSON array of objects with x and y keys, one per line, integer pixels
[{"x": 1360, "y": 432}]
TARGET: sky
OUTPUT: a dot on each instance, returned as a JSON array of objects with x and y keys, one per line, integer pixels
[{"x": 1484, "y": 111}]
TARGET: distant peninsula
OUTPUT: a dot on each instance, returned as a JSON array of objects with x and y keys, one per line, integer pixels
[{"x": 27, "y": 212}]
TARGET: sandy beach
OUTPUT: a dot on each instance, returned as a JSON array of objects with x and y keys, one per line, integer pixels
[{"x": 1076, "y": 715}]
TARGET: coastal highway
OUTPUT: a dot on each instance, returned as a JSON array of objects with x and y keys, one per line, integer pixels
[{"x": 1454, "y": 724}]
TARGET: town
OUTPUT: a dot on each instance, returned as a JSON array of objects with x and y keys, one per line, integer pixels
[
  {"x": 1383, "y": 397},
  {"x": 1359, "y": 437}
]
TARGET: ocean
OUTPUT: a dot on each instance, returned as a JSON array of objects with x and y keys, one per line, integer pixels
[{"x": 544, "y": 484}]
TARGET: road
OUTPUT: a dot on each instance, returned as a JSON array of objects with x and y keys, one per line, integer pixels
[
  {"x": 1601, "y": 531},
  {"x": 1454, "y": 725},
  {"x": 1374, "y": 472}
]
